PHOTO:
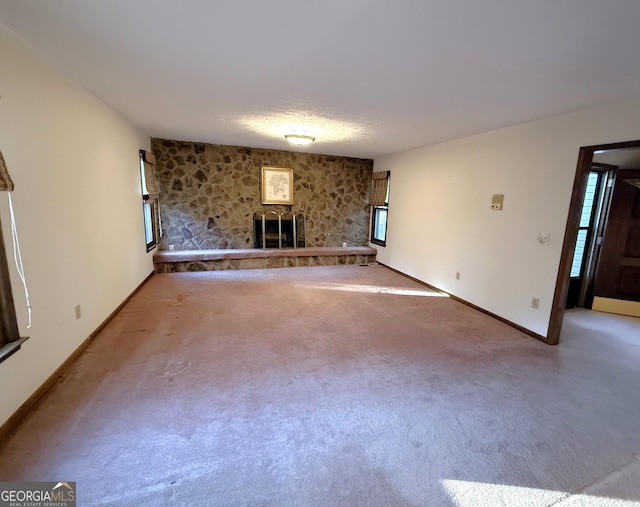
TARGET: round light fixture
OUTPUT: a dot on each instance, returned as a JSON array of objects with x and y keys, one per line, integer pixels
[{"x": 299, "y": 139}]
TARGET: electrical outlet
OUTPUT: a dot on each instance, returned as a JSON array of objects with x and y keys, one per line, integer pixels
[
  {"x": 457, "y": 275},
  {"x": 535, "y": 303},
  {"x": 78, "y": 312}
]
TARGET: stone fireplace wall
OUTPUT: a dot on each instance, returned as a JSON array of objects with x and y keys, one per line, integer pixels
[{"x": 209, "y": 193}]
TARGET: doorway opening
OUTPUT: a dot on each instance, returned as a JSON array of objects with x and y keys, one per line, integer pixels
[
  {"x": 600, "y": 257},
  {"x": 593, "y": 217}
]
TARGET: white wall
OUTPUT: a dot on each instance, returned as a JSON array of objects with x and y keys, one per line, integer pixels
[
  {"x": 440, "y": 219},
  {"x": 74, "y": 162}
]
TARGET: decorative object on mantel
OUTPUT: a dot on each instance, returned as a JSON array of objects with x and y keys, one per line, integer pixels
[
  {"x": 276, "y": 185},
  {"x": 299, "y": 139}
]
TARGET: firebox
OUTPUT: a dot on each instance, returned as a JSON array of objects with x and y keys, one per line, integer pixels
[{"x": 276, "y": 230}]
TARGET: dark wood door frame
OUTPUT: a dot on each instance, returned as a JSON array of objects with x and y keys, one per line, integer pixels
[{"x": 585, "y": 159}]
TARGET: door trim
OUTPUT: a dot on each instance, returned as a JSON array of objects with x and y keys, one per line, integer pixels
[
  {"x": 585, "y": 159},
  {"x": 602, "y": 215}
]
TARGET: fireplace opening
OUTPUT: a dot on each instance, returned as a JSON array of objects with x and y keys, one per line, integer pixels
[{"x": 284, "y": 231}]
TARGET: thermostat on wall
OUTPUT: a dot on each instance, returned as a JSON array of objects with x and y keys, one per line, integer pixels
[{"x": 496, "y": 201}]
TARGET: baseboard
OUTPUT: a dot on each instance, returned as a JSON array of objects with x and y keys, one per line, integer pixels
[
  {"x": 524, "y": 330},
  {"x": 18, "y": 416}
]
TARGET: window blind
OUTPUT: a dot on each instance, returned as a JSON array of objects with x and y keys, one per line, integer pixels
[
  {"x": 379, "y": 188},
  {"x": 150, "y": 190}
]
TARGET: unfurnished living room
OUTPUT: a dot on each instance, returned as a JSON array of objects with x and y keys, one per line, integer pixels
[{"x": 341, "y": 253}]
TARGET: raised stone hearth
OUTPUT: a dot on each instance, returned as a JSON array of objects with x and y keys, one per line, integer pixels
[{"x": 213, "y": 260}]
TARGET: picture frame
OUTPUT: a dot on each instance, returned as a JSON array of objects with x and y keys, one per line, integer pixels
[{"x": 276, "y": 185}]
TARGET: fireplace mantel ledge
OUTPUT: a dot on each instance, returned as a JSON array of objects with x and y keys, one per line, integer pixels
[{"x": 256, "y": 253}]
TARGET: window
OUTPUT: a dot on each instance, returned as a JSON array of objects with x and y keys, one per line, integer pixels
[
  {"x": 380, "y": 207},
  {"x": 150, "y": 199},
  {"x": 379, "y": 227},
  {"x": 587, "y": 219},
  {"x": 10, "y": 340},
  {"x": 150, "y": 210}
]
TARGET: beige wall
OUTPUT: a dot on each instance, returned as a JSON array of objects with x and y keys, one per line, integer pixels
[
  {"x": 74, "y": 162},
  {"x": 440, "y": 219}
]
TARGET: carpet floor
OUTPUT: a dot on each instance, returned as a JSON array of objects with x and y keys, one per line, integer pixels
[{"x": 335, "y": 386}]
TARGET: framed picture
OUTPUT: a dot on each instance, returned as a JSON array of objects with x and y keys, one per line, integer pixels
[{"x": 277, "y": 185}]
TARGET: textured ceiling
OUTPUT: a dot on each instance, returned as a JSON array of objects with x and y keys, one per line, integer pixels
[{"x": 366, "y": 78}]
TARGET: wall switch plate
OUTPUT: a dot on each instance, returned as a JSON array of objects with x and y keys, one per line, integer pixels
[
  {"x": 543, "y": 238},
  {"x": 457, "y": 275},
  {"x": 78, "y": 312},
  {"x": 344, "y": 244},
  {"x": 497, "y": 201},
  {"x": 535, "y": 303}
]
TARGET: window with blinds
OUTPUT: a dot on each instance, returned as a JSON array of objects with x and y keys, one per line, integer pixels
[
  {"x": 379, "y": 201},
  {"x": 150, "y": 198},
  {"x": 587, "y": 217},
  {"x": 10, "y": 340}
]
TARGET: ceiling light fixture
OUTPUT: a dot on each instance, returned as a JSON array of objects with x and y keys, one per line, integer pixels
[{"x": 299, "y": 139}]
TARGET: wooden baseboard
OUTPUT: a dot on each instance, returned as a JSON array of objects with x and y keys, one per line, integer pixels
[
  {"x": 18, "y": 416},
  {"x": 526, "y": 331}
]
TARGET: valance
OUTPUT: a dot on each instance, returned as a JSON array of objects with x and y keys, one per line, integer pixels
[
  {"x": 6, "y": 185},
  {"x": 150, "y": 190},
  {"x": 379, "y": 188}
]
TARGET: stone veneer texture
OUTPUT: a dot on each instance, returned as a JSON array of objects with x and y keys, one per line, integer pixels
[
  {"x": 209, "y": 193},
  {"x": 263, "y": 263}
]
